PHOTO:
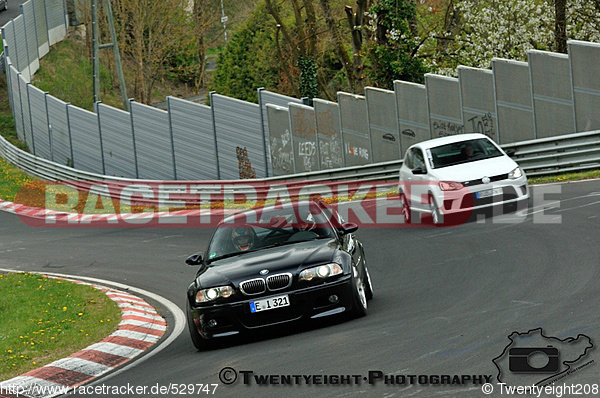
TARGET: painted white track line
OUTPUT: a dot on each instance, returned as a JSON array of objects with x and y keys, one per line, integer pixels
[{"x": 141, "y": 327}]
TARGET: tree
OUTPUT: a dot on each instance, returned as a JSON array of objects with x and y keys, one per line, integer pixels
[
  {"x": 299, "y": 39},
  {"x": 504, "y": 29},
  {"x": 560, "y": 25},
  {"x": 483, "y": 29},
  {"x": 205, "y": 13},
  {"x": 583, "y": 20},
  {"x": 392, "y": 53},
  {"x": 247, "y": 62},
  {"x": 352, "y": 68},
  {"x": 155, "y": 35}
]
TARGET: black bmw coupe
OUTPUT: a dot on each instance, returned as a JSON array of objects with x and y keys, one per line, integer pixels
[{"x": 267, "y": 266}]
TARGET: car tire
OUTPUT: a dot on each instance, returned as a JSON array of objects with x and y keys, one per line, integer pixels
[
  {"x": 405, "y": 209},
  {"x": 368, "y": 284},
  {"x": 359, "y": 294},
  {"x": 199, "y": 342},
  {"x": 367, "y": 276},
  {"x": 436, "y": 216}
]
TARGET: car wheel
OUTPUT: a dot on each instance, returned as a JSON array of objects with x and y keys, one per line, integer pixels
[
  {"x": 368, "y": 284},
  {"x": 436, "y": 216},
  {"x": 199, "y": 342},
  {"x": 405, "y": 209},
  {"x": 359, "y": 293}
]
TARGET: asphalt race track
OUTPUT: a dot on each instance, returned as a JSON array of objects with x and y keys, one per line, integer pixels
[{"x": 446, "y": 299}]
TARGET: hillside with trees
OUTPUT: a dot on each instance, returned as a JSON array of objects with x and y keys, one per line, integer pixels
[
  {"x": 314, "y": 48},
  {"x": 318, "y": 47}
]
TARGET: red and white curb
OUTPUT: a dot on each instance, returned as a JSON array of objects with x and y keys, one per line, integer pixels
[
  {"x": 77, "y": 218},
  {"x": 140, "y": 328}
]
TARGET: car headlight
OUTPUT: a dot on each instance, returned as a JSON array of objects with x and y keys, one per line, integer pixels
[
  {"x": 321, "y": 272},
  {"x": 450, "y": 185},
  {"x": 213, "y": 293},
  {"x": 516, "y": 173}
]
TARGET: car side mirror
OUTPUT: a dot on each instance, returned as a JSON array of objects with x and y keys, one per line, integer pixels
[
  {"x": 194, "y": 259},
  {"x": 348, "y": 228},
  {"x": 419, "y": 170},
  {"x": 511, "y": 152}
]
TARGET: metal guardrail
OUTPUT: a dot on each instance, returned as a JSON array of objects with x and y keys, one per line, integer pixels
[
  {"x": 565, "y": 153},
  {"x": 572, "y": 152},
  {"x": 51, "y": 171}
]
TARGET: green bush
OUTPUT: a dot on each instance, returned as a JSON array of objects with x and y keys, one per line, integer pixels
[{"x": 248, "y": 61}]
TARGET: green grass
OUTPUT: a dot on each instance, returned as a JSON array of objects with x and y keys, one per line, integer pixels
[
  {"x": 584, "y": 175},
  {"x": 11, "y": 180},
  {"x": 45, "y": 319},
  {"x": 66, "y": 73}
]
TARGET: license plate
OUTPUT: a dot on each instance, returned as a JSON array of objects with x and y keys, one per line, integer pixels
[
  {"x": 488, "y": 192},
  {"x": 269, "y": 303}
]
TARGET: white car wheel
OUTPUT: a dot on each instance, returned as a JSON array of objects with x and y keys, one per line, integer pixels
[
  {"x": 436, "y": 216},
  {"x": 405, "y": 209}
]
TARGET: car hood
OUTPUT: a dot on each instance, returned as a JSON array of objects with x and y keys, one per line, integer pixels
[
  {"x": 290, "y": 258},
  {"x": 476, "y": 169}
]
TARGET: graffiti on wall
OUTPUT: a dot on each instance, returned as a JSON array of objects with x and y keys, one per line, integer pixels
[
  {"x": 281, "y": 153},
  {"x": 330, "y": 146},
  {"x": 483, "y": 124},
  {"x": 327, "y": 124},
  {"x": 443, "y": 128},
  {"x": 357, "y": 151},
  {"x": 330, "y": 152},
  {"x": 307, "y": 151},
  {"x": 305, "y": 134},
  {"x": 244, "y": 165}
]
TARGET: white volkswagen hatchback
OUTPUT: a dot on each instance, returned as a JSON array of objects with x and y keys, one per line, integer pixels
[{"x": 459, "y": 174}]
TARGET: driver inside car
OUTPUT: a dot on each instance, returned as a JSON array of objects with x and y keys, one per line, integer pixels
[
  {"x": 242, "y": 238},
  {"x": 468, "y": 152}
]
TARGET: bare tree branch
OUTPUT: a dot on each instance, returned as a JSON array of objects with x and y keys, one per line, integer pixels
[{"x": 338, "y": 43}]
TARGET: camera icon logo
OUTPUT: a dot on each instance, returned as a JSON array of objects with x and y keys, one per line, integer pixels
[{"x": 525, "y": 359}]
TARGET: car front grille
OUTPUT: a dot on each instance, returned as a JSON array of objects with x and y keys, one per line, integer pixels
[
  {"x": 471, "y": 183},
  {"x": 252, "y": 287},
  {"x": 278, "y": 282}
]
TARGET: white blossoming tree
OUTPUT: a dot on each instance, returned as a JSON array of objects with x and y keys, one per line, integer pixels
[{"x": 484, "y": 29}]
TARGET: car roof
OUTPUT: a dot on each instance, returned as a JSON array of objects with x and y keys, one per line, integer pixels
[{"x": 448, "y": 140}]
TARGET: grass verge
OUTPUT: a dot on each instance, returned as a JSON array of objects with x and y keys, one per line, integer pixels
[
  {"x": 46, "y": 319},
  {"x": 584, "y": 175},
  {"x": 66, "y": 73},
  {"x": 11, "y": 180}
]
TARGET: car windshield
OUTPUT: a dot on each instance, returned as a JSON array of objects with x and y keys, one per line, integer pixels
[
  {"x": 462, "y": 152},
  {"x": 270, "y": 227}
]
